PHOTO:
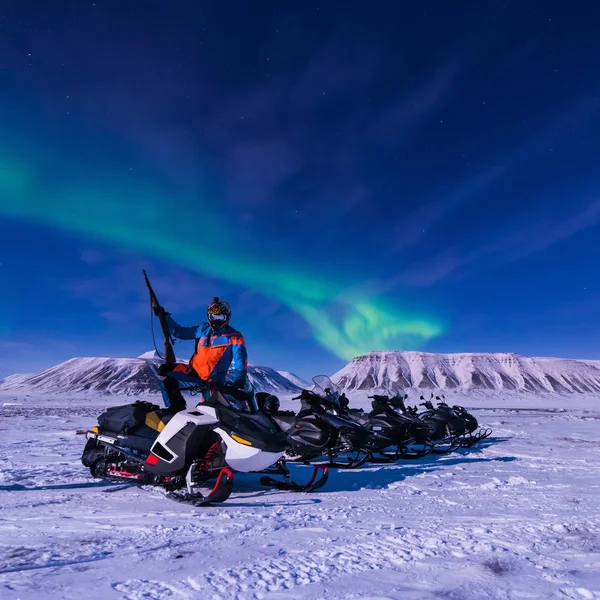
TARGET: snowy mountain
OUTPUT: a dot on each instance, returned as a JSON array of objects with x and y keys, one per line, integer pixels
[
  {"x": 150, "y": 355},
  {"x": 118, "y": 376},
  {"x": 301, "y": 383},
  {"x": 468, "y": 372},
  {"x": 14, "y": 380},
  {"x": 376, "y": 370},
  {"x": 123, "y": 377},
  {"x": 265, "y": 379}
]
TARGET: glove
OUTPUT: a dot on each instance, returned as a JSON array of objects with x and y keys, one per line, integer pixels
[{"x": 159, "y": 311}]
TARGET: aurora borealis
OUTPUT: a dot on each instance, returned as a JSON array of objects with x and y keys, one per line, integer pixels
[
  {"x": 355, "y": 189},
  {"x": 135, "y": 216}
]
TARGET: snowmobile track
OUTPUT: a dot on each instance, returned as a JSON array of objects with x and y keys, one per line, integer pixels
[{"x": 390, "y": 550}]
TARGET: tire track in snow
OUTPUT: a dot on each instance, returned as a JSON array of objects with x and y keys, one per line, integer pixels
[
  {"x": 296, "y": 568},
  {"x": 375, "y": 551}
]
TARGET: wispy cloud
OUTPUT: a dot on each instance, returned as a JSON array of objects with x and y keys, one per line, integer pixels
[
  {"x": 120, "y": 295},
  {"x": 33, "y": 353},
  {"x": 443, "y": 202},
  {"x": 412, "y": 108},
  {"x": 430, "y": 271},
  {"x": 540, "y": 234},
  {"x": 9, "y": 345},
  {"x": 92, "y": 256},
  {"x": 412, "y": 228},
  {"x": 511, "y": 243}
]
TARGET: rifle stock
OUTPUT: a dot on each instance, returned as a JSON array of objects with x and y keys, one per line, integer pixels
[{"x": 169, "y": 356}]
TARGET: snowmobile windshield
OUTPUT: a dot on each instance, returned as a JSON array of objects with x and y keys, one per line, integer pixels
[
  {"x": 392, "y": 389},
  {"x": 387, "y": 390},
  {"x": 325, "y": 388}
]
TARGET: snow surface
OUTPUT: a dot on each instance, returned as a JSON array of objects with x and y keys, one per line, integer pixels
[
  {"x": 516, "y": 517},
  {"x": 466, "y": 372}
]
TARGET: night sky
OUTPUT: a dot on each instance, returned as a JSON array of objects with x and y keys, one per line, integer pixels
[{"x": 350, "y": 176}]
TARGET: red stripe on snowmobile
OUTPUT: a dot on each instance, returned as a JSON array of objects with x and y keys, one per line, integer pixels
[
  {"x": 152, "y": 459},
  {"x": 124, "y": 474},
  {"x": 224, "y": 473},
  {"x": 316, "y": 469}
]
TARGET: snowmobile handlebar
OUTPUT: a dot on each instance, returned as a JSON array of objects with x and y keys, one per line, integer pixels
[
  {"x": 379, "y": 397},
  {"x": 319, "y": 403}
]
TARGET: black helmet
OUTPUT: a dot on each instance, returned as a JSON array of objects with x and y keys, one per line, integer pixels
[
  {"x": 218, "y": 313},
  {"x": 270, "y": 404}
]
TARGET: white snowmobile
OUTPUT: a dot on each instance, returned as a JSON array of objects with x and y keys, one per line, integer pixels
[{"x": 141, "y": 443}]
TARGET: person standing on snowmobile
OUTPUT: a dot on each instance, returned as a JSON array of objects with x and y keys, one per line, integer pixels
[{"x": 217, "y": 346}]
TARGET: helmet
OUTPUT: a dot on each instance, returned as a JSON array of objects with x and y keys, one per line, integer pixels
[
  {"x": 271, "y": 404},
  {"x": 218, "y": 313},
  {"x": 267, "y": 403}
]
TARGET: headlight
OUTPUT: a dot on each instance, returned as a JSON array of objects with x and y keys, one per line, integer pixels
[{"x": 240, "y": 440}]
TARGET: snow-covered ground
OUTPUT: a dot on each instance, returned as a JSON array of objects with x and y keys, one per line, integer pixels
[{"x": 516, "y": 517}]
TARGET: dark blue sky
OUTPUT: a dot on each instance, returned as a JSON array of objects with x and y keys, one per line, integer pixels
[{"x": 350, "y": 177}]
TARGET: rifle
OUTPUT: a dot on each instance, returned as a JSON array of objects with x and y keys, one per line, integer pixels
[{"x": 169, "y": 356}]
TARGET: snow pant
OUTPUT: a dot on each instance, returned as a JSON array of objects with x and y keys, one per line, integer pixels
[{"x": 169, "y": 376}]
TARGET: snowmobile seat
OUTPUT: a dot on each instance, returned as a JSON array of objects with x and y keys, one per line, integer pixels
[
  {"x": 284, "y": 419},
  {"x": 142, "y": 439},
  {"x": 358, "y": 414},
  {"x": 158, "y": 419},
  {"x": 125, "y": 418}
]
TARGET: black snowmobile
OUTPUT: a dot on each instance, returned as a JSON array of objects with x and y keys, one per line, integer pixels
[
  {"x": 321, "y": 428},
  {"x": 394, "y": 433},
  {"x": 450, "y": 428}
]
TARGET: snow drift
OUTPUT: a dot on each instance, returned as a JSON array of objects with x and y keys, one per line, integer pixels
[{"x": 468, "y": 372}]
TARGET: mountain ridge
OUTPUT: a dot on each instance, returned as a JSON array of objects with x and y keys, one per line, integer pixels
[
  {"x": 468, "y": 371},
  {"x": 378, "y": 370}
]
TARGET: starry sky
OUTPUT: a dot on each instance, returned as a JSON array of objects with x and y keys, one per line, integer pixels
[{"x": 390, "y": 175}]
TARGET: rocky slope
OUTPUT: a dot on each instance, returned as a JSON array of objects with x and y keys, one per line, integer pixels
[{"x": 466, "y": 372}]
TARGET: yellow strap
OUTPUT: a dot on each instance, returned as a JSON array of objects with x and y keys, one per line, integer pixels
[{"x": 153, "y": 421}]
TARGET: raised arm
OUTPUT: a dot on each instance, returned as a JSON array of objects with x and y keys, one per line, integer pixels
[{"x": 179, "y": 332}]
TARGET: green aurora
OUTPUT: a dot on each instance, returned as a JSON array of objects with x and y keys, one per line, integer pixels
[{"x": 134, "y": 214}]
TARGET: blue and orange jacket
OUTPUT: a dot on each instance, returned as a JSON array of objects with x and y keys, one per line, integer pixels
[{"x": 215, "y": 351}]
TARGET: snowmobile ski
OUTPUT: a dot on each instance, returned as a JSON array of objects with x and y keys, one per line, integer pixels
[
  {"x": 402, "y": 452},
  {"x": 287, "y": 485},
  {"x": 362, "y": 456},
  {"x": 219, "y": 493},
  {"x": 471, "y": 439}
]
